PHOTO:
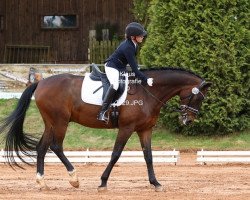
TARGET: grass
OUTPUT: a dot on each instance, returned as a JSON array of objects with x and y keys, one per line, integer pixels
[{"x": 80, "y": 137}]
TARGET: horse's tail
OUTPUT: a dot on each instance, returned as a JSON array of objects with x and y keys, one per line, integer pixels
[{"x": 16, "y": 140}]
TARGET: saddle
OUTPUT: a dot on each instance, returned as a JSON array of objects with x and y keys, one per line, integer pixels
[{"x": 98, "y": 75}]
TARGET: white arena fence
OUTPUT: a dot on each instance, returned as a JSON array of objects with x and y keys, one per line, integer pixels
[
  {"x": 223, "y": 156},
  {"x": 10, "y": 95},
  {"x": 102, "y": 157}
]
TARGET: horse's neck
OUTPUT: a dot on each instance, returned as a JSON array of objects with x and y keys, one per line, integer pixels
[{"x": 170, "y": 84}]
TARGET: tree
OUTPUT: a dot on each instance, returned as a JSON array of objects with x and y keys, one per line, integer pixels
[
  {"x": 140, "y": 11},
  {"x": 211, "y": 38}
]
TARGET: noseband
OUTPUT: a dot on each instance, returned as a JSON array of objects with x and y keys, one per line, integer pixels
[{"x": 195, "y": 91}]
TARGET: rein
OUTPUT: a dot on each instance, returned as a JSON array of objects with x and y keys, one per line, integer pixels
[
  {"x": 150, "y": 93},
  {"x": 157, "y": 99}
]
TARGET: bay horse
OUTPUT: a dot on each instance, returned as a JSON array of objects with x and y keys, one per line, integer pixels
[{"x": 58, "y": 99}]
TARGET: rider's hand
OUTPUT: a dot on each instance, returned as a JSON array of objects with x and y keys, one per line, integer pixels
[{"x": 150, "y": 81}]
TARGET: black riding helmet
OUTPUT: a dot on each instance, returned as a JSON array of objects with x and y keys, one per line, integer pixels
[{"x": 135, "y": 29}]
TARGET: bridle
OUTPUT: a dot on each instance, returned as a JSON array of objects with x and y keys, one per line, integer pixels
[{"x": 184, "y": 108}]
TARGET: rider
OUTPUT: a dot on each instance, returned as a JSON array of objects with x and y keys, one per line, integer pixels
[{"x": 116, "y": 63}]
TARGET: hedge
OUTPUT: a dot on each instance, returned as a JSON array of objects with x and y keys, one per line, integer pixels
[{"x": 211, "y": 38}]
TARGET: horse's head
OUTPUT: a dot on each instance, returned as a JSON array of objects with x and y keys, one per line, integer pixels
[
  {"x": 169, "y": 82},
  {"x": 191, "y": 100}
]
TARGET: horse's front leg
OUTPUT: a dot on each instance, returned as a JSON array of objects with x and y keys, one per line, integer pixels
[
  {"x": 145, "y": 139},
  {"x": 121, "y": 140}
]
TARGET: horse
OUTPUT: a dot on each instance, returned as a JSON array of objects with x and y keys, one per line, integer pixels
[{"x": 58, "y": 99}]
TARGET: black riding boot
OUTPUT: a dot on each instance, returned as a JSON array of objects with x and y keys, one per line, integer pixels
[{"x": 106, "y": 103}]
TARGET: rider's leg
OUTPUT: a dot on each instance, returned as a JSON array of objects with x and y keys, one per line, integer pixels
[{"x": 113, "y": 76}]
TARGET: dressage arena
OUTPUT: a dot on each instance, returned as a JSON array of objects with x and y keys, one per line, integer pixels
[{"x": 187, "y": 180}]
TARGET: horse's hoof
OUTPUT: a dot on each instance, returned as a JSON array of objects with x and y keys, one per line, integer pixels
[
  {"x": 42, "y": 185},
  {"x": 159, "y": 188},
  {"x": 73, "y": 179},
  {"x": 74, "y": 183},
  {"x": 102, "y": 189}
]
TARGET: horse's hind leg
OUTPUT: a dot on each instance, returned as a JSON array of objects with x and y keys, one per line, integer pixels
[
  {"x": 42, "y": 148},
  {"x": 57, "y": 148},
  {"x": 53, "y": 138}
]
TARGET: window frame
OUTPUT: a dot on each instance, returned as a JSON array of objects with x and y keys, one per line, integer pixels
[{"x": 59, "y": 28}]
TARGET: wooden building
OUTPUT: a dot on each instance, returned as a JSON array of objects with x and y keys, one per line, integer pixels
[{"x": 59, "y": 29}]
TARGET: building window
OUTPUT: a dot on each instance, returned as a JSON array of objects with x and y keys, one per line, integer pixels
[{"x": 59, "y": 21}]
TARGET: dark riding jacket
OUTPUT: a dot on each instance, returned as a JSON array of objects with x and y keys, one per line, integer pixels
[{"x": 123, "y": 55}]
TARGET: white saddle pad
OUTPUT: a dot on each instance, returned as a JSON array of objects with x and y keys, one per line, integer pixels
[{"x": 89, "y": 86}]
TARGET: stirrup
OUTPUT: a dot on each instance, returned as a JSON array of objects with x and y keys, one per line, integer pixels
[{"x": 103, "y": 118}]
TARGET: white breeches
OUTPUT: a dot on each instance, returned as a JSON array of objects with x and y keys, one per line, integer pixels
[{"x": 113, "y": 76}]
